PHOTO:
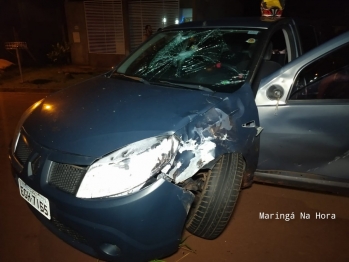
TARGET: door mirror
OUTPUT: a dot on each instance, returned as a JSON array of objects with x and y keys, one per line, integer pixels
[{"x": 275, "y": 92}]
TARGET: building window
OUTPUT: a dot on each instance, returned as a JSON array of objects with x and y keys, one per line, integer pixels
[{"x": 105, "y": 28}]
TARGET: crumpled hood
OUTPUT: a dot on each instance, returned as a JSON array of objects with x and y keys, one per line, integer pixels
[{"x": 101, "y": 115}]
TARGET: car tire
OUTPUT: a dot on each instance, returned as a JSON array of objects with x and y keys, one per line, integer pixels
[{"x": 215, "y": 202}]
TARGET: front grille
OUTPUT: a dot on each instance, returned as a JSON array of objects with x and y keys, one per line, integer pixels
[
  {"x": 23, "y": 150},
  {"x": 66, "y": 177},
  {"x": 68, "y": 231}
]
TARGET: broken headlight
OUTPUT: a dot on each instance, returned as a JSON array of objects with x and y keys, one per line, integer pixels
[{"x": 127, "y": 170}]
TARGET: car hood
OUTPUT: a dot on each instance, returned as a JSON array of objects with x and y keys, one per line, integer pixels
[{"x": 103, "y": 114}]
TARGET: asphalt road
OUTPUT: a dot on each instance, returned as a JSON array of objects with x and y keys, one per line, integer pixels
[{"x": 247, "y": 237}]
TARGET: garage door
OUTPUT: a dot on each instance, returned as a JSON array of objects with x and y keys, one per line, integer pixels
[{"x": 105, "y": 29}]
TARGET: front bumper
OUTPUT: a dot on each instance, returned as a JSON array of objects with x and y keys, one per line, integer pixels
[{"x": 139, "y": 227}]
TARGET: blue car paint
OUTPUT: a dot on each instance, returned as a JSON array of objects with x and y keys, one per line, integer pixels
[
  {"x": 240, "y": 109},
  {"x": 139, "y": 231},
  {"x": 102, "y": 115},
  {"x": 142, "y": 226},
  {"x": 130, "y": 222}
]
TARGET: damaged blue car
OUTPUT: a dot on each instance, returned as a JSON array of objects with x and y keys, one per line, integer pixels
[{"x": 118, "y": 165}]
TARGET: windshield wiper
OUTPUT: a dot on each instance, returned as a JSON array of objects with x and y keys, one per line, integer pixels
[
  {"x": 136, "y": 78},
  {"x": 189, "y": 86}
]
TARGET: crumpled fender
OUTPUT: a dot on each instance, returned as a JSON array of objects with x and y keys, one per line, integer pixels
[{"x": 213, "y": 133}]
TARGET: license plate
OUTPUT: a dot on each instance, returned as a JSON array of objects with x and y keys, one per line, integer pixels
[{"x": 39, "y": 202}]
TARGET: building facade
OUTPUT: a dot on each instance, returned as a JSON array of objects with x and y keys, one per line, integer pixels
[{"x": 103, "y": 32}]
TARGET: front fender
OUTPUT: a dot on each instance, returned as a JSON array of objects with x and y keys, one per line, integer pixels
[{"x": 220, "y": 130}]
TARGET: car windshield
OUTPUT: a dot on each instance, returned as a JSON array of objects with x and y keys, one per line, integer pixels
[{"x": 205, "y": 59}]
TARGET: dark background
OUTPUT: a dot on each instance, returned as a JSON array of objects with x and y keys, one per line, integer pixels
[{"x": 42, "y": 23}]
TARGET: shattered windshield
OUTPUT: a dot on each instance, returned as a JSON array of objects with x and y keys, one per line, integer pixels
[{"x": 215, "y": 59}]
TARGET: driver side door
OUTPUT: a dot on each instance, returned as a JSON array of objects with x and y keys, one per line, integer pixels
[{"x": 304, "y": 110}]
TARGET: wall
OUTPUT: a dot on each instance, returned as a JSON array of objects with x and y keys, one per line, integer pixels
[{"x": 76, "y": 26}]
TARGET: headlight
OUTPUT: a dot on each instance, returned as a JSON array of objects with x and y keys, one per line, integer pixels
[
  {"x": 20, "y": 123},
  {"x": 127, "y": 169}
]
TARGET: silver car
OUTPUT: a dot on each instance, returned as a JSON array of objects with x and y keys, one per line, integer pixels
[{"x": 304, "y": 110}]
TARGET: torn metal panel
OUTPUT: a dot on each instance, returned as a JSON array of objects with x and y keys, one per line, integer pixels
[{"x": 211, "y": 134}]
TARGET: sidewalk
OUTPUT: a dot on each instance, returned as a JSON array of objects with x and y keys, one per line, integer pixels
[{"x": 45, "y": 79}]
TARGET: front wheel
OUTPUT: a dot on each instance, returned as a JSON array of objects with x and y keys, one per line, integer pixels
[{"x": 216, "y": 198}]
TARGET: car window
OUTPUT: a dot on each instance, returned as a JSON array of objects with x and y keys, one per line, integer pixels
[
  {"x": 325, "y": 78},
  {"x": 214, "y": 58}
]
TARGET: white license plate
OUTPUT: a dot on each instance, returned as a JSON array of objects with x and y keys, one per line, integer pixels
[{"x": 38, "y": 201}]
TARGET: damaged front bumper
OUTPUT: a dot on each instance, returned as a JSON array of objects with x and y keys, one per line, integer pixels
[{"x": 142, "y": 226}]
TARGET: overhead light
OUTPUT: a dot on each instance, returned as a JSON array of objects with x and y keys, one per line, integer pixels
[
  {"x": 164, "y": 20},
  {"x": 177, "y": 21}
]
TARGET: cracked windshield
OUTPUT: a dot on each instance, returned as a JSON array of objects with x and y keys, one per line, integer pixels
[{"x": 211, "y": 60}]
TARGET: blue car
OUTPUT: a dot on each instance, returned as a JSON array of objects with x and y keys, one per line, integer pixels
[{"x": 118, "y": 165}]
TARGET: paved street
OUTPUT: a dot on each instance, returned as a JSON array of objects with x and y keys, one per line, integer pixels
[{"x": 247, "y": 237}]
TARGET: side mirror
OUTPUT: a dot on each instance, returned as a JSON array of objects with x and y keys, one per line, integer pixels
[{"x": 275, "y": 92}]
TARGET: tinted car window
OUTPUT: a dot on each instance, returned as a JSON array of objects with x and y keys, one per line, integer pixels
[{"x": 326, "y": 78}]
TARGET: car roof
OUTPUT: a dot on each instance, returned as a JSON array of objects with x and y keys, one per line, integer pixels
[{"x": 239, "y": 22}]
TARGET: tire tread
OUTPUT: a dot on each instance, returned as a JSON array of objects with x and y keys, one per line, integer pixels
[{"x": 219, "y": 195}]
